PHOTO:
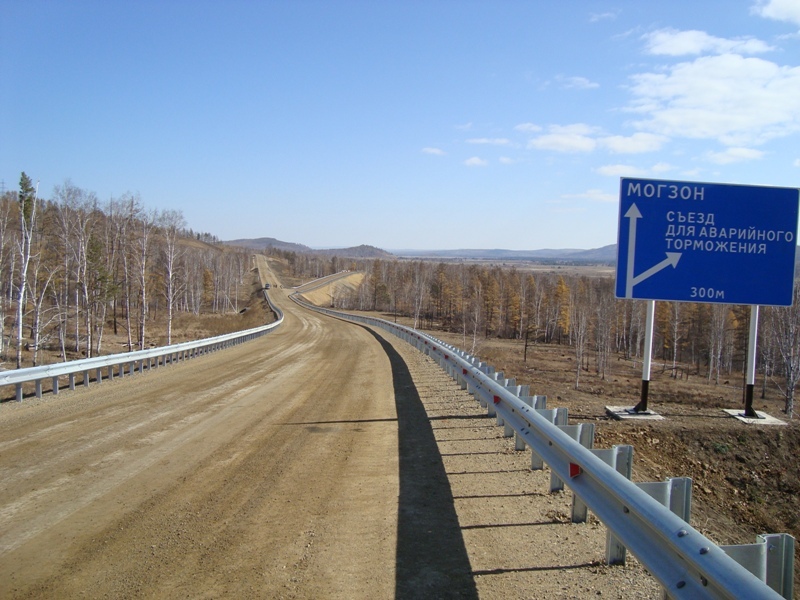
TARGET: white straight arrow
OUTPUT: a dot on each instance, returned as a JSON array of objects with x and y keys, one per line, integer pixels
[
  {"x": 633, "y": 214},
  {"x": 671, "y": 261}
]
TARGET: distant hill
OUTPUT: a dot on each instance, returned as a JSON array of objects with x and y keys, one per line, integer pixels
[
  {"x": 263, "y": 243},
  {"x": 362, "y": 251},
  {"x": 604, "y": 254},
  {"x": 268, "y": 242}
]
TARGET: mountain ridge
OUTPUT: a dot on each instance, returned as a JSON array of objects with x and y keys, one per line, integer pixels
[{"x": 602, "y": 254}]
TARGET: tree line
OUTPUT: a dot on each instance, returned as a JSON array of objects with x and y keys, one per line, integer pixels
[
  {"x": 71, "y": 267},
  {"x": 479, "y": 301}
]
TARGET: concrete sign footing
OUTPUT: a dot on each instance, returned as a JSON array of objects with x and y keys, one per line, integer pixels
[
  {"x": 621, "y": 413},
  {"x": 763, "y": 418}
]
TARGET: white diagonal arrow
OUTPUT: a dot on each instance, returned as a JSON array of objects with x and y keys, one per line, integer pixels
[
  {"x": 633, "y": 214},
  {"x": 671, "y": 261}
]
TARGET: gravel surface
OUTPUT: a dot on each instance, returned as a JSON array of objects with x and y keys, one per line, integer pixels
[{"x": 321, "y": 461}]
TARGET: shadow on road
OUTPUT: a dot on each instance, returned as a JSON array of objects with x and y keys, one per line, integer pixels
[{"x": 432, "y": 560}]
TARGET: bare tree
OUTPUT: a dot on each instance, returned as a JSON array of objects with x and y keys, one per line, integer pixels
[
  {"x": 5, "y": 254},
  {"x": 419, "y": 284},
  {"x": 784, "y": 324},
  {"x": 716, "y": 340},
  {"x": 171, "y": 222},
  {"x": 27, "y": 199},
  {"x": 605, "y": 319},
  {"x": 143, "y": 239},
  {"x": 580, "y": 306},
  {"x": 676, "y": 333}
]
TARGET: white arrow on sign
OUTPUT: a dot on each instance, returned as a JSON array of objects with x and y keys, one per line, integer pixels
[{"x": 671, "y": 261}]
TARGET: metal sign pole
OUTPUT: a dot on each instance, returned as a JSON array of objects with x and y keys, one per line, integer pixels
[
  {"x": 648, "y": 355},
  {"x": 751, "y": 364}
]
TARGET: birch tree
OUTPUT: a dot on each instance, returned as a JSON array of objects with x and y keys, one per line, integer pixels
[
  {"x": 785, "y": 329},
  {"x": 172, "y": 222},
  {"x": 5, "y": 254},
  {"x": 27, "y": 199},
  {"x": 142, "y": 245}
]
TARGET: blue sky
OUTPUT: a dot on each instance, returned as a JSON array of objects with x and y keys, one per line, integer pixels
[{"x": 416, "y": 124}]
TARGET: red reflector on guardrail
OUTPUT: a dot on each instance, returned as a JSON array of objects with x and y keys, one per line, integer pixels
[
  {"x": 497, "y": 399},
  {"x": 446, "y": 357},
  {"x": 463, "y": 371},
  {"x": 574, "y": 470}
]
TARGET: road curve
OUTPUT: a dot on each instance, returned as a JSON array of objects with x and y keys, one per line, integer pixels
[{"x": 268, "y": 470}]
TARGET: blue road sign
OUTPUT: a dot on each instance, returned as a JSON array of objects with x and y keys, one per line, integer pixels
[{"x": 706, "y": 242}]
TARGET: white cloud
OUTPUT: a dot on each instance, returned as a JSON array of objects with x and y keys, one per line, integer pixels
[
  {"x": 476, "y": 162},
  {"x": 580, "y": 137},
  {"x": 780, "y": 10},
  {"x": 577, "y": 83},
  {"x": 662, "y": 167},
  {"x": 465, "y": 126},
  {"x": 621, "y": 171},
  {"x": 738, "y": 101},
  {"x": 797, "y": 163},
  {"x": 528, "y": 127},
  {"x": 434, "y": 151},
  {"x": 733, "y": 155},
  {"x": 635, "y": 144},
  {"x": 679, "y": 43},
  {"x": 490, "y": 141},
  {"x": 566, "y": 138},
  {"x": 594, "y": 195},
  {"x": 505, "y": 160},
  {"x": 595, "y": 17}
]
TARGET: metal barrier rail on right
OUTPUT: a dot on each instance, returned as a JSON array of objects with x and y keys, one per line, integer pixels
[{"x": 685, "y": 562}]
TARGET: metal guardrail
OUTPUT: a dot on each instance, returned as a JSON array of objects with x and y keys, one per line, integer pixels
[
  {"x": 685, "y": 562},
  {"x": 137, "y": 360},
  {"x": 315, "y": 284}
]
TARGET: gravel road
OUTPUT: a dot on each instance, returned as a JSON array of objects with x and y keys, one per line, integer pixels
[{"x": 320, "y": 461}]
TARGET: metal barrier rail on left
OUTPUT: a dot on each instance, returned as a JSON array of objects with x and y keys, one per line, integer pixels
[{"x": 138, "y": 360}]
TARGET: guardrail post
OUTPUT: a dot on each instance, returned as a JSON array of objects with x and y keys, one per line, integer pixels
[
  {"x": 771, "y": 559},
  {"x": 557, "y": 416},
  {"x": 86, "y": 379},
  {"x": 620, "y": 458},
  {"x": 18, "y": 392},
  {"x": 533, "y": 402},
  {"x": 55, "y": 385},
  {"x": 583, "y": 433},
  {"x": 675, "y": 493},
  {"x": 38, "y": 388},
  {"x": 72, "y": 381},
  {"x": 99, "y": 375}
]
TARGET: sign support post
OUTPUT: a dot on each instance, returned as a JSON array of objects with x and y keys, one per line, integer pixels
[
  {"x": 648, "y": 357},
  {"x": 751, "y": 365}
]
